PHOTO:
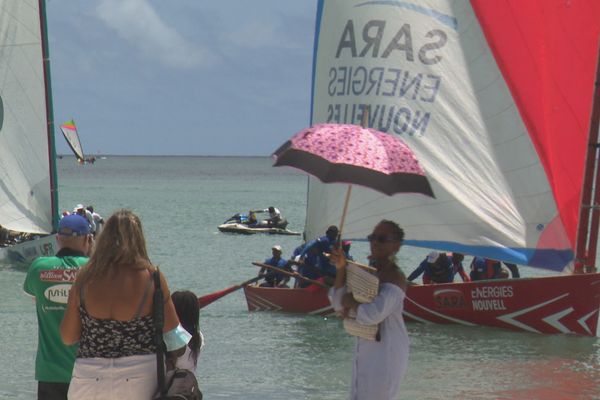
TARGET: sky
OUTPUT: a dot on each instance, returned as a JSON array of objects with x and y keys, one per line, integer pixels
[{"x": 181, "y": 77}]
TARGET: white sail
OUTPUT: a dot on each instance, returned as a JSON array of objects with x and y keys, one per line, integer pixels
[
  {"x": 26, "y": 153},
  {"x": 433, "y": 73}
]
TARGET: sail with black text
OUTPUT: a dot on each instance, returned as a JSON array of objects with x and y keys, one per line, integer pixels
[{"x": 494, "y": 98}]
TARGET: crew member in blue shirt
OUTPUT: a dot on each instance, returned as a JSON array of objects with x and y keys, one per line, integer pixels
[
  {"x": 485, "y": 268},
  {"x": 318, "y": 248},
  {"x": 275, "y": 279},
  {"x": 435, "y": 268}
]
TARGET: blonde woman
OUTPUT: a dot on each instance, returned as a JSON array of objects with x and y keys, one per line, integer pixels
[{"x": 109, "y": 312}]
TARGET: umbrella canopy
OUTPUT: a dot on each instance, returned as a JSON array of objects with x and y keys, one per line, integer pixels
[{"x": 344, "y": 153}]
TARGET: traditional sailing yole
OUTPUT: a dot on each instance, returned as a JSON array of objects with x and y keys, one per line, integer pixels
[
  {"x": 28, "y": 196},
  {"x": 497, "y": 101}
]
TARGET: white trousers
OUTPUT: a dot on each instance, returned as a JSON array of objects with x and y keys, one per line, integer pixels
[{"x": 129, "y": 378}]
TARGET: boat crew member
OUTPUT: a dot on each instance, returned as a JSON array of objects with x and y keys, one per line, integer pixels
[
  {"x": 309, "y": 267},
  {"x": 319, "y": 247},
  {"x": 435, "y": 268},
  {"x": 485, "y": 268},
  {"x": 274, "y": 279},
  {"x": 457, "y": 267},
  {"x": 514, "y": 270},
  {"x": 49, "y": 280}
]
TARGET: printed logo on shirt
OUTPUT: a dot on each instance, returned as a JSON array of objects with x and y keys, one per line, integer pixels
[
  {"x": 58, "y": 275},
  {"x": 60, "y": 308},
  {"x": 449, "y": 298},
  {"x": 58, "y": 293}
]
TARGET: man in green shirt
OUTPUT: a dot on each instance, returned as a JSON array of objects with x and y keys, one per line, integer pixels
[{"x": 49, "y": 280}]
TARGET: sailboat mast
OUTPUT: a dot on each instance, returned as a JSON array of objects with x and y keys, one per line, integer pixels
[
  {"x": 49, "y": 114},
  {"x": 589, "y": 216}
]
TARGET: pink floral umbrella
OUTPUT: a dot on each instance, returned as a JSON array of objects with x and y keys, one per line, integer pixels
[{"x": 355, "y": 155}]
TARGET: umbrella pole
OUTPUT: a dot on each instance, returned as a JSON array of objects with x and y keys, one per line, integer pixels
[
  {"x": 364, "y": 123},
  {"x": 345, "y": 210}
]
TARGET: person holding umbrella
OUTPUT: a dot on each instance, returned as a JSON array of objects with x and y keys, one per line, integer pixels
[{"x": 379, "y": 366}]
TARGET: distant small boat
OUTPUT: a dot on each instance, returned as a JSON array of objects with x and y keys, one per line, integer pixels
[
  {"x": 238, "y": 223},
  {"x": 69, "y": 131}
]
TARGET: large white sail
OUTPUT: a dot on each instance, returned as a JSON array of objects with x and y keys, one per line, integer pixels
[
  {"x": 26, "y": 155},
  {"x": 482, "y": 92}
]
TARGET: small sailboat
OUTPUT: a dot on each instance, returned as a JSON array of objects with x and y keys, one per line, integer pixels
[
  {"x": 69, "y": 131},
  {"x": 28, "y": 195},
  {"x": 497, "y": 100}
]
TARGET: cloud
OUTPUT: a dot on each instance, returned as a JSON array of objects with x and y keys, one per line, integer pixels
[
  {"x": 139, "y": 24},
  {"x": 254, "y": 34}
]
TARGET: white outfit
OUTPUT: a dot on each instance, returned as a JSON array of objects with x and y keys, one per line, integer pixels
[
  {"x": 131, "y": 378},
  {"x": 378, "y": 367},
  {"x": 98, "y": 221},
  {"x": 275, "y": 214},
  {"x": 89, "y": 216},
  {"x": 186, "y": 361}
]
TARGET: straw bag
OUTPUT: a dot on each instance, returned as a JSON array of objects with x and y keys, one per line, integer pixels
[{"x": 364, "y": 287}]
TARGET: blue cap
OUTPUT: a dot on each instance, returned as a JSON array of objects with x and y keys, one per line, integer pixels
[{"x": 73, "y": 225}]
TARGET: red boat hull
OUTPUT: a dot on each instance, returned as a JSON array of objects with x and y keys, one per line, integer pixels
[
  {"x": 559, "y": 304},
  {"x": 301, "y": 301}
]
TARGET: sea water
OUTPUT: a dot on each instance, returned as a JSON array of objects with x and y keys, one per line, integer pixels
[{"x": 267, "y": 355}]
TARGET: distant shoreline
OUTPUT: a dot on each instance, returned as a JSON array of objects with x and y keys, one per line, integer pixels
[{"x": 162, "y": 155}]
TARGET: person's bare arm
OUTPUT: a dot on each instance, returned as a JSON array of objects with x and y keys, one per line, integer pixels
[
  {"x": 70, "y": 327},
  {"x": 171, "y": 320}
]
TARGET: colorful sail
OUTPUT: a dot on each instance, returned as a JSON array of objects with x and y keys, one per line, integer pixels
[
  {"x": 27, "y": 179},
  {"x": 69, "y": 130},
  {"x": 493, "y": 97}
]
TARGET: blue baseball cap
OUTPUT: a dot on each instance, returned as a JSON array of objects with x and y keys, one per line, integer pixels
[{"x": 73, "y": 225}]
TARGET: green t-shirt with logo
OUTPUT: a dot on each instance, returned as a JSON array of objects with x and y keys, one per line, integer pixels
[{"x": 49, "y": 279}]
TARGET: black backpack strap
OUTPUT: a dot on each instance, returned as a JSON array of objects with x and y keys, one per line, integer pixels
[{"x": 158, "y": 315}]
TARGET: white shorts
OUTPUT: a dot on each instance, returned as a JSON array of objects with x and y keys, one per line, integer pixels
[{"x": 130, "y": 378}]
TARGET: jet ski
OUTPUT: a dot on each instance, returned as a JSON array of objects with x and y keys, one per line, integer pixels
[{"x": 241, "y": 223}]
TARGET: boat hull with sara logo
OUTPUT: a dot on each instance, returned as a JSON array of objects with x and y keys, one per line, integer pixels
[{"x": 548, "y": 305}]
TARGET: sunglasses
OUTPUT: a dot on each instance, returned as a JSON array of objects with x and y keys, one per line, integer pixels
[{"x": 381, "y": 238}]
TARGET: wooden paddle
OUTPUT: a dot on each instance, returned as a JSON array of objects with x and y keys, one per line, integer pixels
[
  {"x": 363, "y": 266},
  {"x": 292, "y": 274},
  {"x": 205, "y": 300}
]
